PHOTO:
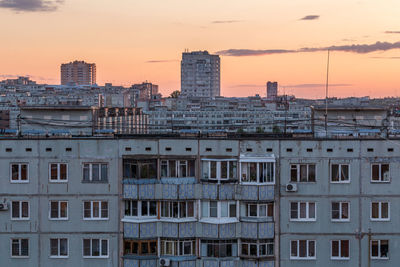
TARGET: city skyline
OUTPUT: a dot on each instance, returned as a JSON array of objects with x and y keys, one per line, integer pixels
[{"x": 255, "y": 41}]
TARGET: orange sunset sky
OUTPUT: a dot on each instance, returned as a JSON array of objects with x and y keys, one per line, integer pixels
[{"x": 133, "y": 41}]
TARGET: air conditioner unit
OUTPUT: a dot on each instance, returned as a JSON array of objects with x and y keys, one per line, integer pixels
[
  {"x": 165, "y": 262},
  {"x": 291, "y": 187},
  {"x": 3, "y": 206}
]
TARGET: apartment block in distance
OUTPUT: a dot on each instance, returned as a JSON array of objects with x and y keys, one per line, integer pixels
[
  {"x": 78, "y": 73},
  {"x": 200, "y": 74},
  {"x": 199, "y": 201}
]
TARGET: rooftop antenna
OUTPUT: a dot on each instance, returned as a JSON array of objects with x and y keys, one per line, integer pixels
[{"x": 326, "y": 97}]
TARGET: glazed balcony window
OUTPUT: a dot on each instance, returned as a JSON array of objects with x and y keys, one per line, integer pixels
[
  {"x": 140, "y": 247},
  {"x": 140, "y": 169},
  {"x": 260, "y": 210},
  {"x": 219, "y": 170},
  {"x": 252, "y": 248},
  {"x": 134, "y": 208},
  {"x": 177, "y": 168},
  {"x": 186, "y": 247},
  {"x": 257, "y": 172},
  {"x": 177, "y": 209},
  {"x": 219, "y": 248}
]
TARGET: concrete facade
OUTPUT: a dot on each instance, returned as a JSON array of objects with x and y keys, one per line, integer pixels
[{"x": 221, "y": 180}]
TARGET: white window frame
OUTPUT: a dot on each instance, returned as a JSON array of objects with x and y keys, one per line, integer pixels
[
  {"x": 59, "y": 218},
  {"x": 20, "y": 218},
  {"x": 20, "y": 244},
  {"x": 91, "y": 172},
  {"x": 219, "y": 209},
  {"x": 58, "y": 180},
  {"x": 340, "y": 171},
  {"x": 380, "y": 211},
  {"x": 259, "y": 205},
  {"x": 307, "y": 250},
  {"x": 340, "y": 250},
  {"x": 379, "y": 257},
  {"x": 380, "y": 179},
  {"x": 19, "y": 181},
  {"x": 179, "y": 209},
  {"x": 59, "y": 248},
  {"x": 258, "y": 243},
  {"x": 100, "y": 248},
  {"x": 100, "y": 218},
  {"x": 218, "y": 169},
  {"x": 298, "y": 171},
  {"x": 307, "y": 219},
  {"x": 340, "y": 219},
  {"x": 139, "y": 209},
  {"x": 178, "y": 163},
  {"x": 244, "y": 164},
  {"x": 176, "y": 248}
]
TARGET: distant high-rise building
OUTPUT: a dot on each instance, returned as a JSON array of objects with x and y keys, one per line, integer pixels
[
  {"x": 78, "y": 73},
  {"x": 272, "y": 90},
  {"x": 200, "y": 74}
]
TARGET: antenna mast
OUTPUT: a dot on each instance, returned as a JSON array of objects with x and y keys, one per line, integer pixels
[{"x": 326, "y": 97}]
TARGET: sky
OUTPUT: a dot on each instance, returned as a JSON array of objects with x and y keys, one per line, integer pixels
[{"x": 286, "y": 41}]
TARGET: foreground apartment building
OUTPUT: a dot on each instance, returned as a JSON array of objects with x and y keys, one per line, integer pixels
[{"x": 199, "y": 202}]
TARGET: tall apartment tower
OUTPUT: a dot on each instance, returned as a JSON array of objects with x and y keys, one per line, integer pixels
[
  {"x": 272, "y": 90},
  {"x": 78, "y": 73},
  {"x": 200, "y": 74}
]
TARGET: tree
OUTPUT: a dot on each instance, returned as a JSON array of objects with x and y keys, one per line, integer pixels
[
  {"x": 175, "y": 94},
  {"x": 259, "y": 130},
  {"x": 276, "y": 129}
]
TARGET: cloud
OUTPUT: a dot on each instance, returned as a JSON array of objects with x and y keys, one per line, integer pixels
[
  {"x": 353, "y": 48},
  {"x": 386, "y": 57},
  {"x": 310, "y": 17},
  {"x": 225, "y": 21},
  {"x": 32, "y": 77},
  {"x": 161, "y": 61},
  {"x": 312, "y": 85},
  {"x": 390, "y": 32},
  {"x": 31, "y": 5},
  {"x": 246, "y": 85}
]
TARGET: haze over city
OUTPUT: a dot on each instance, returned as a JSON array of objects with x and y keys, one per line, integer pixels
[{"x": 134, "y": 41}]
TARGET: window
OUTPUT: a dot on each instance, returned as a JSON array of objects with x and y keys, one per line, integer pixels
[
  {"x": 302, "y": 172},
  {"x": 140, "y": 247},
  {"x": 257, "y": 248},
  {"x": 95, "y": 248},
  {"x": 380, "y": 172},
  {"x": 58, "y": 172},
  {"x": 302, "y": 249},
  {"x": 19, "y": 247},
  {"x": 379, "y": 249},
  {"x": 59, "y": 247},
  {"x": 58, "y": 210},
  {"x": 340, "y": 173},
  {"x": 19, "y": 173},
  {"x": 340, "y": 211},
  {"x": 219, "y": 248},
  {"x": 257, "y": 172},
  {"x": 177, "y": 168},
  {"x": 219, "y": 169},
  {"x": 380, "y": 211},
  {"x": 95, "y": 172},
  {"x": 261, "y": 210},
  {"x": 218, "y": 209},
  {"x": 340, "y": 250},
  {"x": 172, "y": 209},
  {"x": 20, "y": 210},
  {"x": 302, "y": 211},
  {"x": 136, "y": 208},
  {"x": 140, "y": 169},
  {"x": 95, "y": 210},
  {"x": 178, "y": 247}
]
